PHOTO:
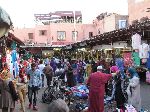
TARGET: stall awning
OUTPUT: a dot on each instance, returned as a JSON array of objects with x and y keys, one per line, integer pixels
[
  {"x": 5, "y": 22},
  {"x": 4, "y": 18}
]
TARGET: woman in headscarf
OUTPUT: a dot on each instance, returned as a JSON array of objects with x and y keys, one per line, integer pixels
[
  {"x": 8, "y": 94},
  {"x": 69, "y": 74},
  {"x": 133, "y": 89},
  {"x": 119, "y": 94}
]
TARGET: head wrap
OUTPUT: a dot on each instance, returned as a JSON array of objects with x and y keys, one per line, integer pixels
[
  {"x": 133, "y": 72},
  {"x": 99, "y": 68},
  {"x": 114, "y": 69}
]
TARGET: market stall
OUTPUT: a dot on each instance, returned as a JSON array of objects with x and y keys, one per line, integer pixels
[{"x": 129, "y": 45}]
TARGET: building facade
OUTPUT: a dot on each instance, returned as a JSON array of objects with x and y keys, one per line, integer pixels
[
  {"x": 58, "y": 29},
  {"x": 107, "y": 22},
  {"x": 138, "y": 9},
  {"x": 55, "y": 34}
]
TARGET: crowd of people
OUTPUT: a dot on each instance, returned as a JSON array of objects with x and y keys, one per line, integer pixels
[{"x": 96, "y": 75}]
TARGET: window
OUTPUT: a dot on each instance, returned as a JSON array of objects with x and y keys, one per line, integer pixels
[
  {"x": 30, "y": 35},
  {"x": 74, "y": 35},
  {"x": 42, "y": 32},
  {"x": 90, "y": 34},
  {"x": 122, "y": 24},
  {"x": 61, "y": 35}
]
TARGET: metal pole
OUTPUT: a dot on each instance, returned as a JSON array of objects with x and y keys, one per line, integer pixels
[{"x": 75, "y": 27}]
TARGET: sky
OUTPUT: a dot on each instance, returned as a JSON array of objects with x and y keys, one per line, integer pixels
[{"x": 22, "y": 11}]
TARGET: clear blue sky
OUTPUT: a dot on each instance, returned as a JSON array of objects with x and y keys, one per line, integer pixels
[{"x": 22, "y": 11}]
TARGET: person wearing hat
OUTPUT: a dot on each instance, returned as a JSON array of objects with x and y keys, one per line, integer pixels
[
  {"x": 96, "y": 83},
  {"x": 35, "y": 78}
]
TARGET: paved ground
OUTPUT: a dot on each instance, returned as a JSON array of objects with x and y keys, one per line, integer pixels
[
  {"x": 145, "y": 94},
  {"x": 41, "y": 106}
]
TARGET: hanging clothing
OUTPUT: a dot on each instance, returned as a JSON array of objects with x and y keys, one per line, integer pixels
[
  {"x": 119, "y": 63},
  {"x": 13, "y": 45},
  {"x": 96, "y": 84},
  {"x": 143, "y": 50},
  {"x": 136, "y": 58},
  {"x": 11, "y": 70},
  {"x": 14, "y": 56},
  {"x": 127, "y": 59},
  {"x": 148, "y": 77},
  {"x": 16, "y": 69},
  {"x": 136, "y": 41},
  {"x": 148, "y": 61},
  {"x": 4, "y": 59}
]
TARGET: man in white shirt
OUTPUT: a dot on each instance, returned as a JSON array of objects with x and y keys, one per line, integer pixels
[{"x": 41, "y": 67}]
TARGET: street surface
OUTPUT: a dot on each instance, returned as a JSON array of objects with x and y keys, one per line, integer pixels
[{"x": 145, "y": 95}]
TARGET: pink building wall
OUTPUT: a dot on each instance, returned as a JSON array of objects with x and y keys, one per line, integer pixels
[
  {"x": 51, "y": 35},
  {"x": 109, "y": 23},
  {"x": 137, "y": 10}
]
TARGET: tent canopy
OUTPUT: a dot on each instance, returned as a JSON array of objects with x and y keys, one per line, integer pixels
[
  {"x": 5, "y": 18},
  {"x": 5, "y": 22}
]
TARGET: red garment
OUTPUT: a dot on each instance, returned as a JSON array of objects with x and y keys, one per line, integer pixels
[
  {"x": 22, "y": 78},
  {"x": 97, "y": 82},
  {"x": 25, "y": 63},
  {"x": 4, "y": 59}
]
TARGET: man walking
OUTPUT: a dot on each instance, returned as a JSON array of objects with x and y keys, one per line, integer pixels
[
  {"x": 48, "y": 71},
  {"x": 96, "y": 83},
  {"x": 34, "y": 82}
]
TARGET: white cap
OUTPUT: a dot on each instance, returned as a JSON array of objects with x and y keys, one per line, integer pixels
[{"x": 99, "y": 68}]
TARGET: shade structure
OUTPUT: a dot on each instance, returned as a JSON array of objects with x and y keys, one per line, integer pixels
[{"x": 5, "y": 22}]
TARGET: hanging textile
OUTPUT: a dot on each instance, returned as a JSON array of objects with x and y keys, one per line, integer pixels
[
  {"x": 117, "y": 52},
  {"x": 3, "y": 59},
  {"x": 136, "y": 41},
  {"x": 136, "y": 58},
  {"x": 148, "y": 77},
  {"x": 14, "y": 56},
  {"x": 13, "y": 46},
  {"x": 16, "y": 69},
  {"x": 120, "y": 64},
  {"x": 127, "y": 59},
  {"x": 143, "y": 51},
  {"x": 148, "y": 61}
]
